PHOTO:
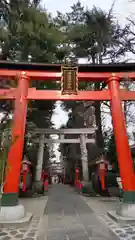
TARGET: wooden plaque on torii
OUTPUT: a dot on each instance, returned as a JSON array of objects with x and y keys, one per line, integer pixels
[{"x": 69, "y": 80}]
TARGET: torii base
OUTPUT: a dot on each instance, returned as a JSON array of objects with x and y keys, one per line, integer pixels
[
  {"x": 87, "y": 189},
  {"x": 125, "y": 213},
  {"x": 14, "y": 216},
  {"x": 39, "y": 187}
]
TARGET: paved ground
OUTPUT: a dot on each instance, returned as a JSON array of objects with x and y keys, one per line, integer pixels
[
  {"x": 101, "y": 206},
  {"x": 68, "y": 217},
  {"x": 29, "y": 232}
]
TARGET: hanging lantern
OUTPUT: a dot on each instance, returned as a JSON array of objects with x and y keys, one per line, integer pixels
[
  {"x": 25, "y": 167},
  {"x": 77, "y": 170}
]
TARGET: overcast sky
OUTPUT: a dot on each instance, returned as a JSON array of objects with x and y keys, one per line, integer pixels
[{"x": 122, "y": 9}]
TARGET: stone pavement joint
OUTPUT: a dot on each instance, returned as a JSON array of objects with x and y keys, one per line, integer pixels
[
  {"x": 68, "y": 217},
  {"x": 123, "y": 231},
  {"x": 26, "y": 233},
  {"x": 29, "y": 232}
]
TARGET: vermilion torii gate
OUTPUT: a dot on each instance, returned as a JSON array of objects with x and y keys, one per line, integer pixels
[{"x": 110, "y": 74}]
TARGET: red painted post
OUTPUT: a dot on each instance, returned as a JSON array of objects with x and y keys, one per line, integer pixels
[
  {"x": 102, "y": 173},
  {"x": 122, "y": 145},
  {"x": 12, "y": 179},
  {"x": 76, "y": 177},
  {"x": 76, "y": 174}
]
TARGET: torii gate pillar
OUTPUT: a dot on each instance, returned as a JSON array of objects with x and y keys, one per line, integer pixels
[
  {"x": 10, "y": 209},
  {"x": 127, "y": 208},
  {"x": 61, "y": 156},
  {"x": 40, "y": 158},
  {"x": 84, "y": 158}
]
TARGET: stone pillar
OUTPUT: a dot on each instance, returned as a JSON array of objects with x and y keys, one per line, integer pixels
[
  {"x": 61, "y": 156},
  {"x": 64, "y": 168},
  {"x": 40, "y": 158},
  {"x": 84, "y": 158}
]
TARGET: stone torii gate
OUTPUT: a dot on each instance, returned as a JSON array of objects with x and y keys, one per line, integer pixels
[{"x": 83, "y": 140}]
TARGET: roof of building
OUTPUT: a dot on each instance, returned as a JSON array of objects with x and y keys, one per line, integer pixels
[{"x": 24, "y": 66}]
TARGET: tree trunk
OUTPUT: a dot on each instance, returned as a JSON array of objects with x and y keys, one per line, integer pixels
[
  {"x": 99, "y": 134},
  {"x": 125, "y": 112},
  {"x": 125, "y": 108}
]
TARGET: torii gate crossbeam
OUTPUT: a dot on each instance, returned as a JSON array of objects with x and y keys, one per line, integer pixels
[
  {"x": 103, "y": 95},
  {"x": 66, "y": 141},
  {"x": 65, "y": 131}
]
